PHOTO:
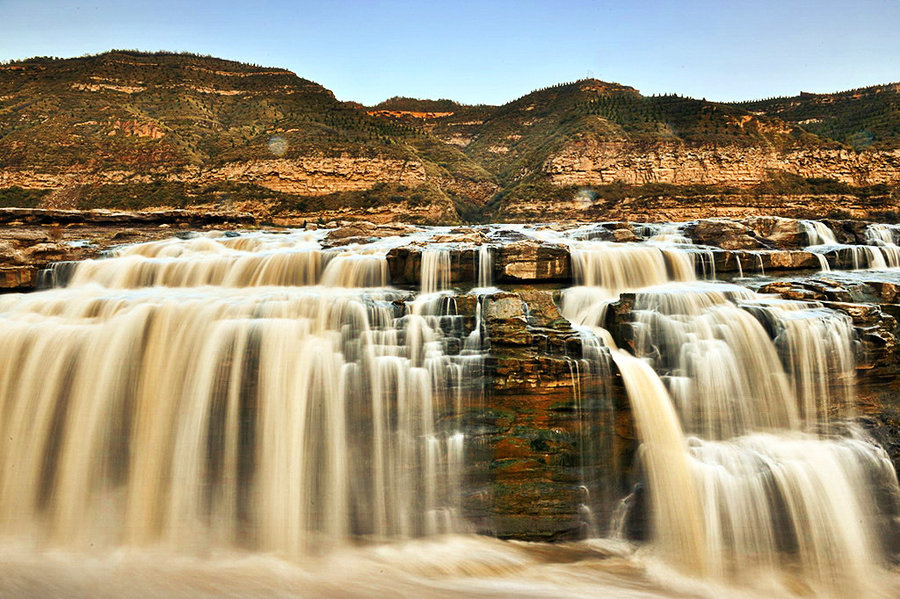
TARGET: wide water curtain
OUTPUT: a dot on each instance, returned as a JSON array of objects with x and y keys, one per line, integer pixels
[{"x": 206, "y": 392}]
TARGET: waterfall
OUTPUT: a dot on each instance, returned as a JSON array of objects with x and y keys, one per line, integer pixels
[
  {"x": 604, "y": 270},
  {"x": 267, "y": 398},
  {"x": 880, "y": 253},
  {"x": 818, "y": 233},
  {"x": 883, "y": 236},
  {"x": 485, "y": 267},
  {"x": 739, "y": 401},
  {"x": 204, "y": 392},
  {"x": 249, "y": 260},
  {"x": 435, "y": 274},
  {"x": 677, "y": 515}
]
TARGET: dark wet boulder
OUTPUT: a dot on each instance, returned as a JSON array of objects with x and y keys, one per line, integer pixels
[
  {"x": 764, "y": 261},
  {"x": 405, "y": 265},
  {"x": 851, "y": 232}
]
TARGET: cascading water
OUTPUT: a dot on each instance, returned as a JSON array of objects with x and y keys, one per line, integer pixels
[
  {"x": 267, "y": 396},
  {"x": 884, "y": 237},
  {"x": 485, "y": 267},
  {"x": 233, "y": 403},
  {"x": 603, "y": 270},
  {"x": 435, "y": 273},
  {"x": 818, "y": 233},
  {"x": 751, "y": 489},
  {"x": 880, "y": 252}
]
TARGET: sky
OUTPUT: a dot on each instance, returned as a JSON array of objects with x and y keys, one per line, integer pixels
[{"x": 494, "y": 51}]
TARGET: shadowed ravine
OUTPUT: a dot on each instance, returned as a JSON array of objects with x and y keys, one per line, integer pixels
[{"x": 302, "y": 413}]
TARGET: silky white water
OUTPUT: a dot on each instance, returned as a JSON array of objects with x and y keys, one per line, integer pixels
[
  {"x": 260, "y": 415},
  {"x": 171, "y": 395},
  {"x": 738, "y": 401}
]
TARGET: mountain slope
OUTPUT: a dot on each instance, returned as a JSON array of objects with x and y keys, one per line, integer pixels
[
  {"x": 129, "y": 129},
  {"x": 861, "y": 118},
  {"x": 143, "y": 113}
]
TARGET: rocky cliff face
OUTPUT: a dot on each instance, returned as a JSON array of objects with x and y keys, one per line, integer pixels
[
  {"x": 303, "y": 176},
  {"x": 597, "y": 163}
]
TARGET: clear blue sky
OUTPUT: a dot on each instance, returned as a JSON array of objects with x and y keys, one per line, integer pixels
[{"x": 494, "y": 50}]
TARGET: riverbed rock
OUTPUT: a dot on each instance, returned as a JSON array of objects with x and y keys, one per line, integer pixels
[
  {"x": 782, "y": 233},
  {"x": 533, "y": 422},
  {"x": 532, "y": 261},
  {"x": 764, "y": 261},
  {"x": 725, "y": 234},
  {"x": 18, "y": 278}
]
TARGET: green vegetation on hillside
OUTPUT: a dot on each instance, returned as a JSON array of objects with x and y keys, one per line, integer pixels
[
  {"x": 16, "y": 197},
  {"x": 149, "y": 114},
  {"x": 861, "y": 118}
]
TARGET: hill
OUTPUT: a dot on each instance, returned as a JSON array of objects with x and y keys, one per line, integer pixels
[
  {"x": 862, "y": 118},
  {"x": 136, "y": 118},
  {"x": 128, "y": 129}
]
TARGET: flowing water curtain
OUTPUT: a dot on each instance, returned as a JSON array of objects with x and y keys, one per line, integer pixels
[
  {"x": 485, "y": 271},
  {"x": 818, "y": 233},
  {"x": 736, "y": 499},
  {"x": 435, "y": 271},
  {"x": 881, "y": 251},
  {"x": 287, "y": 419},
  {"x": 885, "y": 237},
  {"x": 760, "y": 501},
  {"x": 242, "y": 261},
  {"x": 594, "y": 399},
  {"x": 602, "y": 271}
]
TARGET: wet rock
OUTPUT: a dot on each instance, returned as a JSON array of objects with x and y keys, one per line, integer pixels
[
  {"x": 817, "y": 288},
  {"x": 468, "y": 236},
  {"x": 531, "y": 424},
  {"x": 782, "y": 233},
  {"x": 764, "y": 261},
  {"x": 532, "y": 261},
  {"x": 505, "y": 317},
  {"x": 405, "y": 265},
  {"x": 619, "y": 321},
  {"x": 726, "y": 234},
  {"x": 18, "y": 278},
  {"x": 850, "y": 232},
  {"x": 624, "y": 236}
]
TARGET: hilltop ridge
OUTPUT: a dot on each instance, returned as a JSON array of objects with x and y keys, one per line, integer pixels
[{"x": 130, "y": 129}]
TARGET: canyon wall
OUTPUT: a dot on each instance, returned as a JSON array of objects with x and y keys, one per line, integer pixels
[
  {"x": 302, "y": 176},
  {"x": 595, "y": 162}
]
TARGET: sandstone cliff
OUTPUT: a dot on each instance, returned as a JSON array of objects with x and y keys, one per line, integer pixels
[{"x": 594, "y": 162}]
